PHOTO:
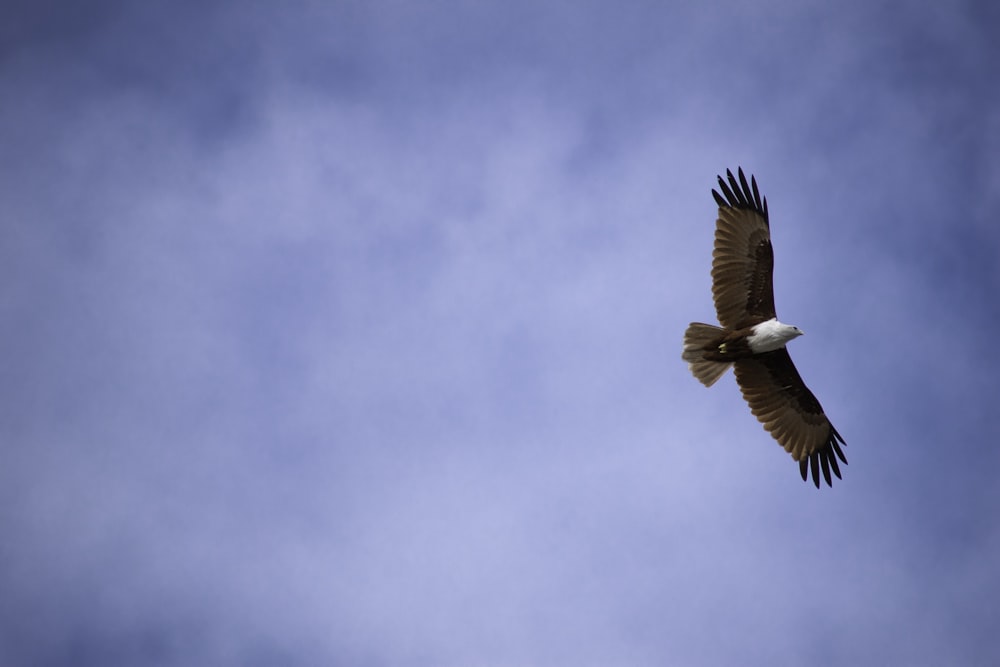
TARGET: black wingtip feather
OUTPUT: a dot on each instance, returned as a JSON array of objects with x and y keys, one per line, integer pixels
[
  {"x": 760, "y": 202},
  {"x": 744, "y": 186},
  {"x": 834, "y": 437},
  {"x": 737, "y": 190},
  {"x": 835, "y": 466},
  {"x": 825, "y": 459},
  {"x": 731, "y": 199},
  {"x": 739, "y": 193}
]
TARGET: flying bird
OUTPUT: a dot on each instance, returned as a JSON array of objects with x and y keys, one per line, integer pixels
[{"x": 752, "y": 340}]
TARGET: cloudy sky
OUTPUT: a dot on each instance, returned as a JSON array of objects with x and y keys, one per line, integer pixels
[{"x": 348, "y": 333}]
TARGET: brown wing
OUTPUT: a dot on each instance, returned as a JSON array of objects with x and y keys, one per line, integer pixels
[
  {"x": 789, "y": 411},
  {"x": 742, "y": 261}
]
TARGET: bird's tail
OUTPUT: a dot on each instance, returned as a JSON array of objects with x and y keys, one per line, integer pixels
[{"x": 696, "y": 337}]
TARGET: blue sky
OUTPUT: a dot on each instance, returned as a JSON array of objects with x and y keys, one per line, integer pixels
[{"x": 348, "y": 333}]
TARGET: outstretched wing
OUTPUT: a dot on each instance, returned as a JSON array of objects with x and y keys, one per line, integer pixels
[
  {"x": 789, "y": 411},
  {"x": 742, "y": 261}
]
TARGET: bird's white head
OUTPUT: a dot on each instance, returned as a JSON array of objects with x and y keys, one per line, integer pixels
[{"x": 772, "y": 335}]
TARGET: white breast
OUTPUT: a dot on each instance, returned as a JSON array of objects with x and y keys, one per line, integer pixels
[{"x": 771, "y": 335}]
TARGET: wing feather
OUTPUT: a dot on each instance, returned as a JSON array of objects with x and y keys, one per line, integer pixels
[
  {"x": 790, "y": 412},
  {"x": 742, "y": 260}
]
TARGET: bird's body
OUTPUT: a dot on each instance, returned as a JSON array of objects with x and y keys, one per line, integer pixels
[
  {"x": 728, "y": 346},
  {"x": 752, "y": 340}
]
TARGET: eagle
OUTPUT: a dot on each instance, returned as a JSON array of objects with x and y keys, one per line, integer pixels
[{"x": 752, "y": 340}]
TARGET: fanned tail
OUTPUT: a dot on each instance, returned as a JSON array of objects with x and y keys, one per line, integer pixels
[{"x": 696, "y": 337}]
